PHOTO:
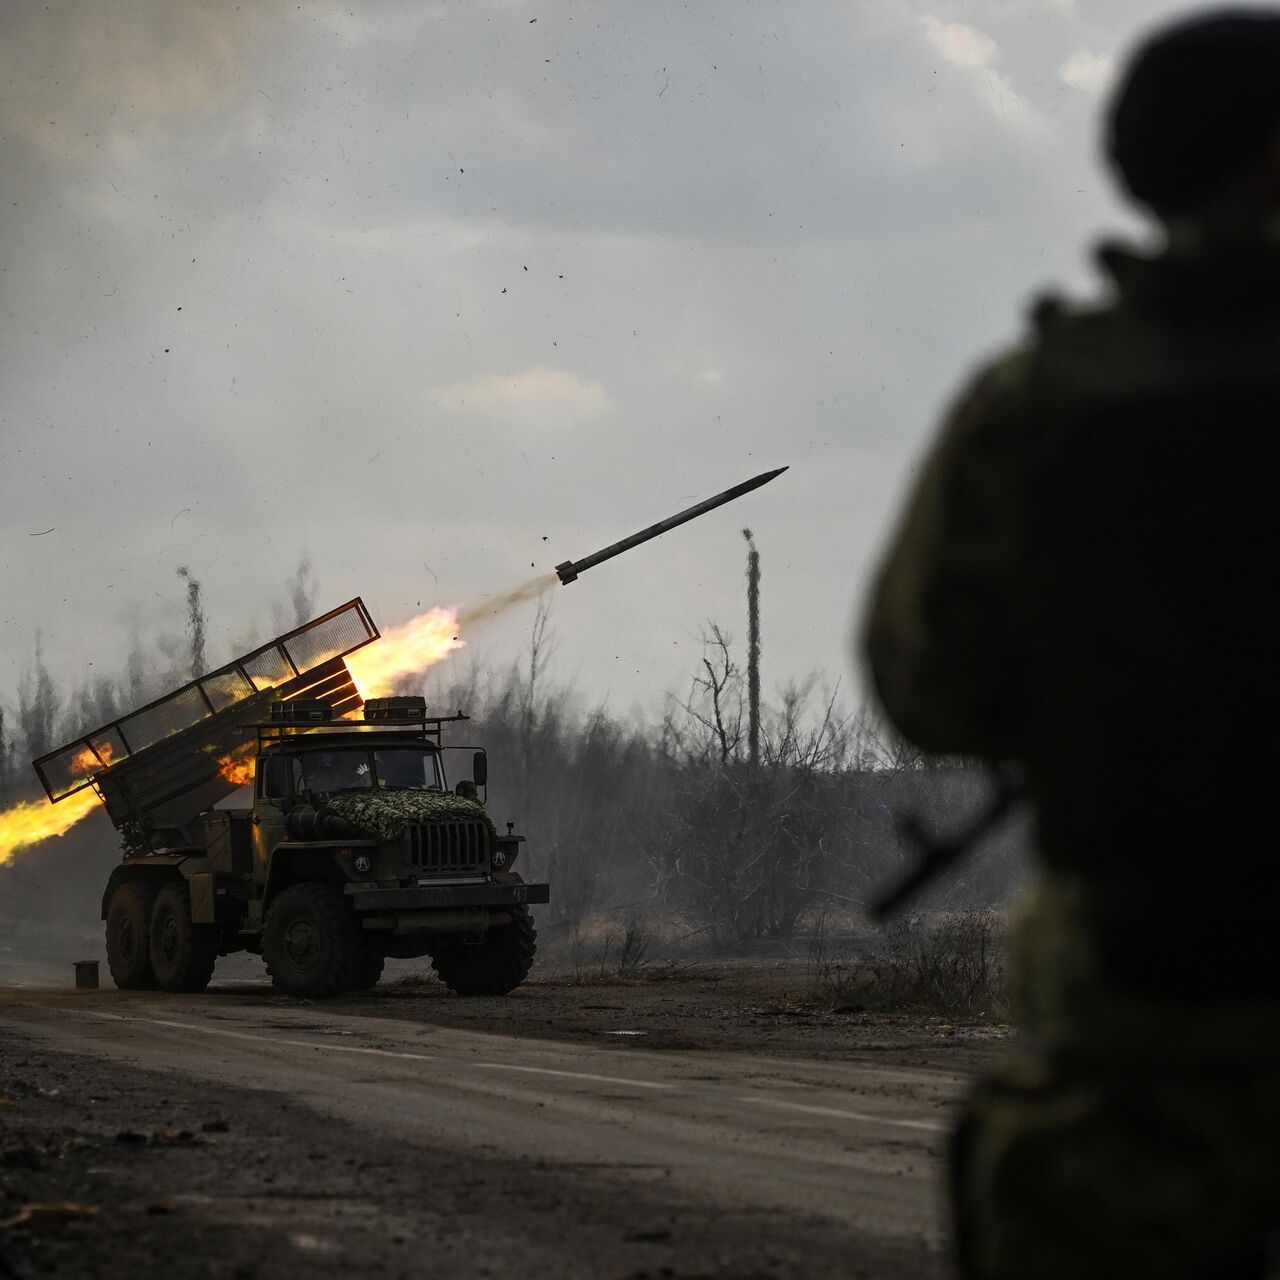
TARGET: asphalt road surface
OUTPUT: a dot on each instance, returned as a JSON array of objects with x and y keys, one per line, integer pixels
[{"x": 315, "y": 1141}]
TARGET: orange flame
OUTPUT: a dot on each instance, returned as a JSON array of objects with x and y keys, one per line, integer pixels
[
  {"x": 238, "y": 766},
  {"x": 409, "y": 649},
  {"x": 31, "y": 821},
  {"x": 85, "y": 762},
  {"x": 404, "y": 651}
]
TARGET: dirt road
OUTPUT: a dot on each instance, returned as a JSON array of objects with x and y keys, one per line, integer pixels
[{"x": 356, "y": 1139}]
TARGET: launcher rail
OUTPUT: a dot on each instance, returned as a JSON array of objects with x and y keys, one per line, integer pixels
[{"x": 161, "y": 764}]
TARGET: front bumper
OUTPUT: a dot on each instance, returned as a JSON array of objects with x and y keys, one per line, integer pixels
[{"x": 446, "y": 896}]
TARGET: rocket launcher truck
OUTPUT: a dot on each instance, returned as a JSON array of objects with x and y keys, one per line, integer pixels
[{"x": 354, "y": 849}]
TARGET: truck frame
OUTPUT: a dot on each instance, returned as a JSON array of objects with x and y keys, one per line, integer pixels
[{"x": 353, "y": 850}]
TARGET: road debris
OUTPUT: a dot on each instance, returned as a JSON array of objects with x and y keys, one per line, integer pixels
[{"x": 59, "y": 1210}]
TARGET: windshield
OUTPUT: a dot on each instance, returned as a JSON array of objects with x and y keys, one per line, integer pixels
[
  {"x": 335, "y": 770},
  {"x": 407, "y": 768}
]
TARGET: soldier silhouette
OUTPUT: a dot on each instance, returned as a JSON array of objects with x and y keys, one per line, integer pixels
[{"x": 1079, "y": 587}]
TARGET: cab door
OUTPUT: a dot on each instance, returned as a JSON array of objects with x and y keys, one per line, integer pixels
[{"x": 271, "y": 798}]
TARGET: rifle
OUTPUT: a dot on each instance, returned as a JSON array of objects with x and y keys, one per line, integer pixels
[{"x": 939, "y": 853}]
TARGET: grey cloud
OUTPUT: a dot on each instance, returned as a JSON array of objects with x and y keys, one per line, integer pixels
[{"x": 766, "y": 234}]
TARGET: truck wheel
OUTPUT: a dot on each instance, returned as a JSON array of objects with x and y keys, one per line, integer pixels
[
  {"x": 129, "y": 935},
  {"x": 182, "y": 953},
  {"x": 498, "y": 965},
  {"x": 369, "y": 970},
  {"x": 311, "y": 941}
]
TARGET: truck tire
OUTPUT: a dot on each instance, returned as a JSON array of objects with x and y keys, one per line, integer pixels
[
  {"x": 369, "y": 970},
  {"x": 129, "y": 935},
  {"x": 311, "y": 941},
  {"x": 182, "y": 953},
  {"x": 497, "y": 965}
]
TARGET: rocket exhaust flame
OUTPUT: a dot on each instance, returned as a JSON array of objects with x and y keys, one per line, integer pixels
[
  {"x": 414, "y": 646},
  {"x": 404, "y": 651},
  {"x": 87, "y": 761},
  {"x": 237, "y": 768},
  {"x": 32, "y": 821}
]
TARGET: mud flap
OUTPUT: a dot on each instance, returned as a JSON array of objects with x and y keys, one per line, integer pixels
[
  {"x": 477, "y": 923},
  {"x": 202, "y": 900}
]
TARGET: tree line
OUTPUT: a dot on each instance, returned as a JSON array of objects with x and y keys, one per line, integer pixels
[{"x": 675, "y": 814}]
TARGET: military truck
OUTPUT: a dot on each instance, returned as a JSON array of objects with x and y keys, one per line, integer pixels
[{"x": 354, "y": 849}]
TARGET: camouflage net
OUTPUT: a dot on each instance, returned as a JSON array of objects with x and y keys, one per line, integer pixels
[{"x": 387, "y": 814}]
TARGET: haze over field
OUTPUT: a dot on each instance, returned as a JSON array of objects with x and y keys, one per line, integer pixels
[{"x": 439, "y": 294}]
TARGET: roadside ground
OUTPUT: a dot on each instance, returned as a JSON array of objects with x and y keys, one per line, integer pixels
[{"x": 115, "y": 1169}]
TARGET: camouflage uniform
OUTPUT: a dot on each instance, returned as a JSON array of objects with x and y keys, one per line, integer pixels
[{"x": 1080, "y": 584}]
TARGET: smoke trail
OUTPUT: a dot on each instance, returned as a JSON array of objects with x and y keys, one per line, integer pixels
[{"x": 491, "y": 607}]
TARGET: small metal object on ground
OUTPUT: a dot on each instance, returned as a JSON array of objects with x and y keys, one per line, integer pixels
[{"x": 86, "y": 975}]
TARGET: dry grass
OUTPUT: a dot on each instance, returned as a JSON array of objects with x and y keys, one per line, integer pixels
[
  {"x": 950, "y": 965},
  {"x": 616, "y": 952}
]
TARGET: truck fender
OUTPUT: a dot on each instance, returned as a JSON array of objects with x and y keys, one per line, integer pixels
[
  {"x": 156, "y": 868},
  {"x": 293, "y": 860}
]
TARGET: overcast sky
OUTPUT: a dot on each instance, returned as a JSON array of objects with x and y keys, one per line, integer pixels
[{"x": 434, "y": 293}]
